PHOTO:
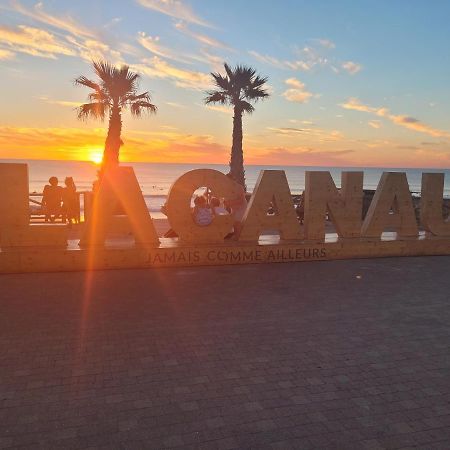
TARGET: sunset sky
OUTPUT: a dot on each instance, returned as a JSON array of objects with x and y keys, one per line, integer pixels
[{"x": 353, "y": 83}]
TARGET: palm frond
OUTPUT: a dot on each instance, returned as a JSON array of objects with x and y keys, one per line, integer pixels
[
  {"x": 104, "y": 70},
  {"x": 132, "y": 97},
  {"x": 221, "y": 81},
  {"x": 140, "y": 106},
  {"x": 116, "y": 88},
  {"x": 216, "y": 97},
  {"x": 259, "y": 81},
  {"x": 245, "y": 106},
  {"x": 255, "y": 93},
  {"x": 83, "y": 81},
  {"x": 239, "y": 86},
  {"x": 99, "y": 96},
  {"x": 95, "y": 110},
  {"x": 228, "y": 70}
]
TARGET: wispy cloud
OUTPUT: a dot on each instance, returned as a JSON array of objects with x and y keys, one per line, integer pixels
[
  {"x": 176, "y": 9},
  {"x": 297, "y": 92},
  {"x": 305, "y": 156},
  {"x": 351, "y": 67},
  {"x": 374, "y": 123},
  {"x": 66, "y": 103},
  {"x": 176, "y": 105},
  {"x": 219, "y": 108},
  {"x": 33, "y": 41},
  {"x": 316, "y": 54},
  {"x": 66, "y": 23},
  {"x": 270, "y": 60},
  {"x": 62, "y": 36},
  {"x": 314, "y": 133},
  {"x": 92, "y": 49},
  {"x": 6, "y": 54},
  {"x": 404, "y": 121},
  {"x": 325, "y": 43},
  {"x": 202, "y": 38},
  {"x": 153, "y": 45},
  {"x": 159, "y": 68}
]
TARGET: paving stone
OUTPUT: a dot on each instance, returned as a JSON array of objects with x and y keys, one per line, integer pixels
[{"x": 268, "y": 356}]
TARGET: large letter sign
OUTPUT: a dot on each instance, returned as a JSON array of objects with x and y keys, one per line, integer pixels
[
  {"x": 431, "y": 204},
  {"x": 344, "y": 207},
  {"x": 119, "y": 187},
  {"x": 179, "y": 210},
  {"x": 391, "y": 207},
  {"x": 269, "y": 232},
  {"x": 271, "y": 189}
]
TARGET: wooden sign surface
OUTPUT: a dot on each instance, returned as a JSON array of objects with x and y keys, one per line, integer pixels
[{"x": 390, "y": 227}]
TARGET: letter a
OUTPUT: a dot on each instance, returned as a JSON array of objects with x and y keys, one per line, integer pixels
[
  {"x": 391, "y": 207},
  {"x": 271, "y": 188},
  {"x": 119, "y": 187}
]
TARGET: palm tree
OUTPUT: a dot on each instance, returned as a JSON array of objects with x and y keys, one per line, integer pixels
[
  {"x": 238, "y": 88},
  {"x": 114, "y": 92}
]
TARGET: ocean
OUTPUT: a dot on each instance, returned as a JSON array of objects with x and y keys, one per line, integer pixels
[{"x": 156, "y": 178}]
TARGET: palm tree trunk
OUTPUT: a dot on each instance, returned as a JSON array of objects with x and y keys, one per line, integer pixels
[
  {"x": 237, "y": 155},
  {"x": 113, "y": 141}
]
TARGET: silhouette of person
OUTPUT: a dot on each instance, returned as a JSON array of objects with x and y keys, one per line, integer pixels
[
  {"x": 71, "y": 204},
  {"x": 51, "y": 200}
]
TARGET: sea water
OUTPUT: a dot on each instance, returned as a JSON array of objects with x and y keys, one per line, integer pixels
[{"x": 155, "y": 179}]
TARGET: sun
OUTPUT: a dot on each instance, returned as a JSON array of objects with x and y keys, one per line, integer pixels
[{"x": 96, "y": 156}]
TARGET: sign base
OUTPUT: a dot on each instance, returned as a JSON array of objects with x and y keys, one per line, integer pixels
[{"x": 122, "y": 255}]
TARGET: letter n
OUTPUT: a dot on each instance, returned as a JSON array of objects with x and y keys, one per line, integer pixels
[
  {"x": 271, "y": 188},
  {"x": 431, "y": 199},
  {"x": 119, "y": 188},
  {"x": 391, "y": 207},
  {"x": 344, "y": 207}
]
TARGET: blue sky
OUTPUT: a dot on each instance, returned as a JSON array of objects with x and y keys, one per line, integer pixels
[{"x": 352, "y": 82}]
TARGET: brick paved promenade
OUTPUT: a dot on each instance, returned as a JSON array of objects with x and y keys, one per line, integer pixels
[{"x": 344, "y": 354}]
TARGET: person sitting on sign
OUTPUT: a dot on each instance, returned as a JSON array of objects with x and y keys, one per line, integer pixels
[
  {"x": 217, "y": 208},
  {"x": 71, "y": 204},
  {"x": 202, "y": 213},
  {"x": 51, "y": 200}
]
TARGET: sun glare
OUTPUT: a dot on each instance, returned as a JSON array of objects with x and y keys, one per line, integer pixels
[{"x": 96, "y": 156}]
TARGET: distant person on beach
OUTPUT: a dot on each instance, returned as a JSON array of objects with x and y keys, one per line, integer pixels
[
  {"x": 238, "y": 206},
  {"x": 51, "y": 200},
  {"x": 202, "y": 212},
  {"x": 71, "y": 204},
  {"x": 217, "y": 208}
]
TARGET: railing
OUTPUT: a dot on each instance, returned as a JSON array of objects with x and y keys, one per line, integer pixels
[{"x": 38, "y": 215}]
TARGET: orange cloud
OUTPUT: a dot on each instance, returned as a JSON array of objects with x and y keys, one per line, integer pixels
[
  {"x": 302, "y": 156},
  {"x": 405, "y": 121},
  {"x": 202, "y": 38},
  {"x": 351, "y": 67},
  {"x": 63, "y": 23},
  {"x": 33, "y": 41},
  {"x": 175, "y": 9},
  {"x": 153, "y": 45},
  {"x": 158, "y": 68},
  {"x": 316, "y": 134},
  {"x": 296, "y": 92},
  {"x": 78, "y": 143},
  {"x": 6, "y": 54}
]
